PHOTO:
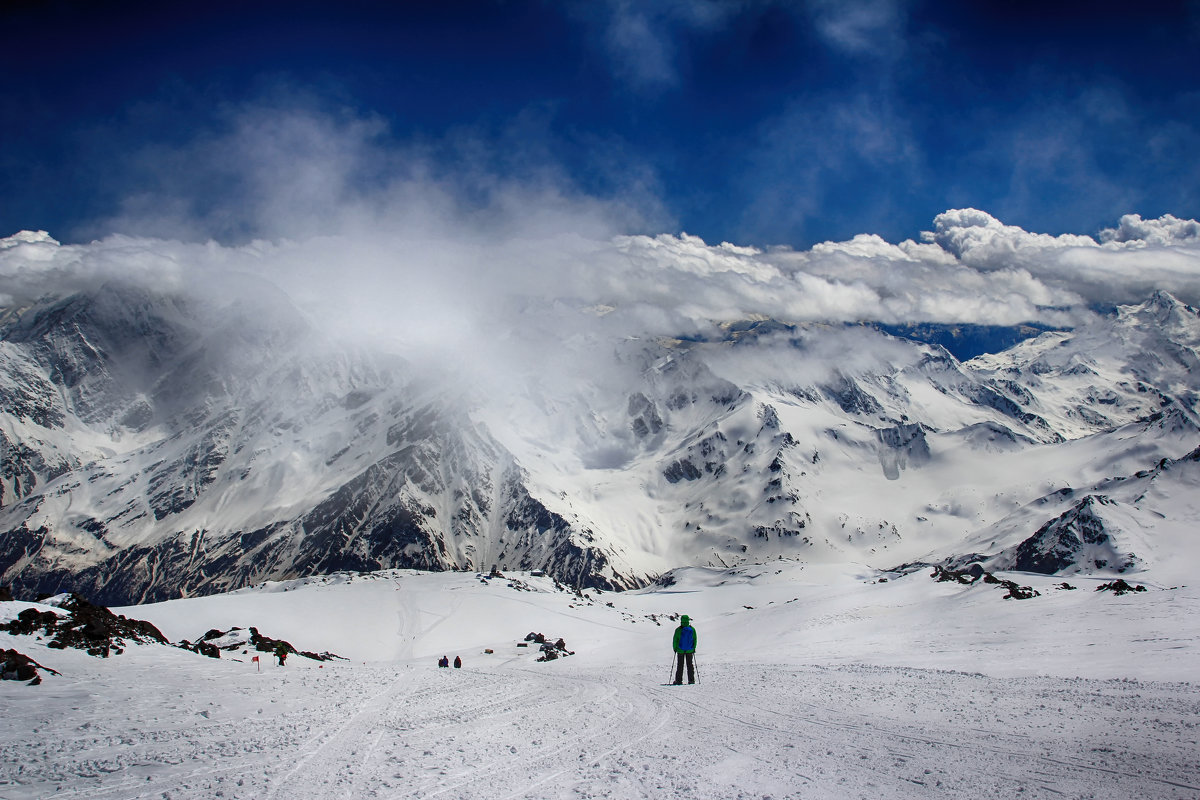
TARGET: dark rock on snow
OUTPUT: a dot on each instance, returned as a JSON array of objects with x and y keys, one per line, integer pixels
[
  {"x": 1119, "y": 587},
  {"x": 1064, "y": 541},
  {"x": 15, "y": 666},
  {"x": 550, "y": 650},
  {"x": 976, "y": 572},
  {"x": 84, "y": 627},
  {"x": 255, "y": 640}
]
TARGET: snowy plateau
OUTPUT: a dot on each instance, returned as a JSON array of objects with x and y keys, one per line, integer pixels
[
  {"x": 908, "y": 564},
  {"x": 813, "y": 682}
]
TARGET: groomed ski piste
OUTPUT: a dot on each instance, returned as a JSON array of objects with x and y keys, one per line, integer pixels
[{"x": 814, "y": 682}]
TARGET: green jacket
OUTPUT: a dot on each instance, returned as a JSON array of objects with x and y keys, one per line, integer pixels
[{"x": 685, "y": 640}]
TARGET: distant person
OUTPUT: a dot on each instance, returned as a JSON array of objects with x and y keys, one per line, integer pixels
[
  {"x": 443, "y": 662},
  {"x": 685, "y": 647},
  {"x": 457, "y": 662},
  {"x": 281, "y": 653}
]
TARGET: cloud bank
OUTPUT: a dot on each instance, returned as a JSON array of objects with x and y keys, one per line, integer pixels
[
  {"x": 375, "y": 244},
  {"x": 446, "y": 279}
]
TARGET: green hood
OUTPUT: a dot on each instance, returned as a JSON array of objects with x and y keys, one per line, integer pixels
[{"x": 685, "y": 620}]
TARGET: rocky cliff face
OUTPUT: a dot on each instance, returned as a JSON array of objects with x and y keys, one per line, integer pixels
[{"x": 1077, "y": 539}]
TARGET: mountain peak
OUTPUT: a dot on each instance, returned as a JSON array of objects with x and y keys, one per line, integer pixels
[
  {"x": 1164, "y": 300},
  {"x": 1162, "y": 310}
]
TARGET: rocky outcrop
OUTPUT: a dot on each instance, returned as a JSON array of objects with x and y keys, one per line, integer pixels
[
  {"x": 16, "y": 666},
  {"x": 244, "y": 640},
  {"x": 83, "y": 626},
  {"x": 1076, "y": 538},
  {"x": 901, "y": 447}
]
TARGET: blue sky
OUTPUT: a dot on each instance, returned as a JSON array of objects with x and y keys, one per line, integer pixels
[{"x": 754, "y": 122}]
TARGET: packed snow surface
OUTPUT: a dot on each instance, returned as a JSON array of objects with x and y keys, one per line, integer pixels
[{"x": 814, "y": 682}]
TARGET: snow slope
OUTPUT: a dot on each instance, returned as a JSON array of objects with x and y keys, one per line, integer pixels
[{"x": 814, "y": 682}]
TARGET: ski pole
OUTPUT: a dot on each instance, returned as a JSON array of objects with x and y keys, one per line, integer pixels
[
  {"x": 671, "y": 674},
  {"x": 696, "y": 667}
]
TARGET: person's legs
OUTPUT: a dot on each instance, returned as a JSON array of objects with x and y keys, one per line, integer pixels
[
  {"x": 679, "y": 668},
  {"x": 691, "y": 667}
]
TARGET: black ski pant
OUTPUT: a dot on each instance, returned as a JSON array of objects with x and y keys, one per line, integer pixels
[{"x": 691, "y": 668}]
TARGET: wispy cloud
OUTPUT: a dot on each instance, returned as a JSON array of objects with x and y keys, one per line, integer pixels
[
  {"x": 295, "y": 166},
  {"x": 648, "y": 42},
  {"x": 806, "y": 160},
  {"x": 871, "y": 28},
  {"x": 644, "y": 40}
]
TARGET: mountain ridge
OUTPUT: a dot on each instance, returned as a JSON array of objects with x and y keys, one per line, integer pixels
[{"x": 156, "y": 445}]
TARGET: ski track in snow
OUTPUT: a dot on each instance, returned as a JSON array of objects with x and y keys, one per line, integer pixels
[{"x": 172, "y": 727}]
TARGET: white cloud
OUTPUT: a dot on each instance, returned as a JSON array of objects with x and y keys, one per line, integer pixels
[
  {"x": 497, "y": 303},
  {"x": 375, "y": 245},
  {"x": 1166, "y": 230},
  {"x": 821, "y": 146},
  {"x": 978, "y": 237},
  {"x": 645, "y": 40},
  {"x": 447, "y": 283},
  {"x": 1126, "y": 265},
  {"x": 861, "y": 27}
]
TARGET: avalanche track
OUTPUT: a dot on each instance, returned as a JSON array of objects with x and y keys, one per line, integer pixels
[{"x": 170, "y": 726}]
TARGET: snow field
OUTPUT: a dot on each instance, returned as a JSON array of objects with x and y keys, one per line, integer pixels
[{"x": 829, "y": 686}]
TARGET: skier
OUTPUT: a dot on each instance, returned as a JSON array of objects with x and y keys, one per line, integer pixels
[
  {"x": 685, "y": 646},
  {"x": 457, "y": 662},
  {"x": 281, "y": 653},
  {"x": 444, "y": 662}
]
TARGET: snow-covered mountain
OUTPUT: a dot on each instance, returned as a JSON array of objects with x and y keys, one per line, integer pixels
[
  {"x": 161, "y": 442},
  {"x": 152, "y": 448}
]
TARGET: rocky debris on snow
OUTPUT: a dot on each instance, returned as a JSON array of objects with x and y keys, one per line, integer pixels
[
  {"x": 515, "y": 583},
  {"x": 84, "y": 627},
  {"x": 203, "y": 648},
  {"x": 214, "y": 641},
  {"x": 976, "y": 572},
  {"x": 1015, "y": 591},
  {"x": 15, "y": 666},
  {"x": 1119, "y": 587},
  {"x": 967, "y": 576},
  {"x": 550, "y": 650},
  {"x": 909, "y": 568}
]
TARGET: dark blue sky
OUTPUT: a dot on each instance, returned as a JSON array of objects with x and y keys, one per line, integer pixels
[{"x": 755, "y": 122}]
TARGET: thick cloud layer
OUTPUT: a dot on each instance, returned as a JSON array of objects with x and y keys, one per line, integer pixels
[
  {"x": 528, "y": 309},
  {"x": 377, "y": 238},
  {"x": 447, "y": 282}
]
